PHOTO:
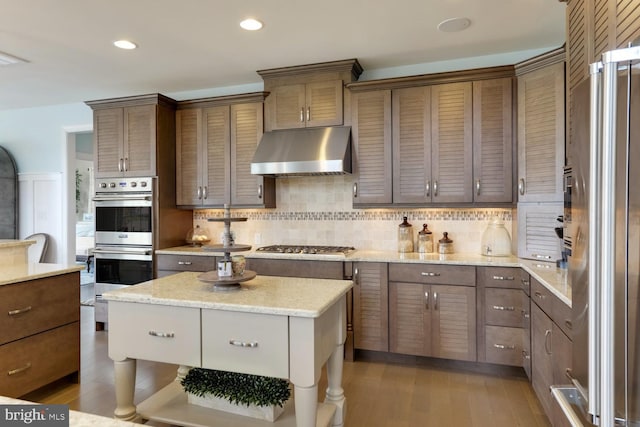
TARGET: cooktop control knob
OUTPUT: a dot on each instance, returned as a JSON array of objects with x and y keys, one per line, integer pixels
[
  {"x": 134, "y": 184},
  {"x": 103, "y": 185},
  {"x": 112, "y": 185},
  {"x": 143, "y": 184}
]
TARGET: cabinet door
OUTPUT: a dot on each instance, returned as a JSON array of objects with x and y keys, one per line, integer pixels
[
  {"x": 451, "y": 139},
  {"x": 410, "y": 308},
  {"x": 562, "y": 350},
  {"x": 216, "y": 156},
  {"x": 108, "y": 141},
  {"x": 324, "y": 103},
  {"x": 541, "y": 361},
  {"x": 188, "y": 166},
  {"x": 246, "y": 131},
  {"x": 541, "y": 134},
  {"x": 412, "y": 145},
  {"x": 371, "y": 130},
  {"x": 370, "y": 312},
  {"x": 140, "y": 141},
  {"x": 492, "y": 140},
  {"x": 537, "y": 238},
  {"x": 287, "y": 107},
  {"x": 453, "y": 329}
]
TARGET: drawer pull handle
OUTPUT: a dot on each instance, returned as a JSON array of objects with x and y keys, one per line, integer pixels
[
  {"x": 239, "y": 343},
  {"x": 525, "y": 314},
  {"x": 525, "y": 355},
  {"x": 503, "y": 308},
  {"x": 525, "y": 282},
  {"x": 19, "y": 311},
  {"x": 504, "y": 347},
  {"x": 18, "y": 370},
  {"x": 539, "y": 295},
  {"x": 547, "y": 346},
  {"x": 162, "y": 334},
  {"x": 429, "y": 274},
  {"x": 540, "y": 256},
  {"x": 184, "y": 262},
  {"x": 568, "y": 324},
  {"x": 503, "y": 278}
]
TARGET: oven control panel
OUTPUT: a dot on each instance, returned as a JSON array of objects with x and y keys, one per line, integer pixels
[{"x": 120, "y": 185}]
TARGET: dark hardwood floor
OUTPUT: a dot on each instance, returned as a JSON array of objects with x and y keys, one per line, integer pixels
[{"x": 378, "y": 393}]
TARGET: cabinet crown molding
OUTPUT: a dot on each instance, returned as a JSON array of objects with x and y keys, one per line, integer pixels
[
  {"x": 541, "y": 61},
  {"x": 216, "y": 101},
  {"x": 346, "y": 65},
  {"x": 132, "y": 101}
]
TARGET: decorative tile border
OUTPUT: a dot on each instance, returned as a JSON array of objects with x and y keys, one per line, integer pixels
[{"x": 363, "y": 215}]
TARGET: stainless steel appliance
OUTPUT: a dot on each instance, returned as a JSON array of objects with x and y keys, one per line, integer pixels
[
  {"x": 124, "y": 220},
  {"x": 604, "y": 266}
]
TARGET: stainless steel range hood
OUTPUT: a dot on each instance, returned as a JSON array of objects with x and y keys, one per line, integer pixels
[{"x": 299, "y": 152}]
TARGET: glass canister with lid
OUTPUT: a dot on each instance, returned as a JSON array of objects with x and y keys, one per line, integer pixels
[
  {"x": 405, "y": 236},
  {"x": 425, "y": 240},
  {"x": 445, "y": 245}
]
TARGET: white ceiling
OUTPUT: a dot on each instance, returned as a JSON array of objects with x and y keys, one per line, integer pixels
[{"x": 196, "y": 44}]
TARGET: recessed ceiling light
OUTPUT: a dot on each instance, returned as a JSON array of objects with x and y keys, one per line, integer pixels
[
  {"x": 454, "y": 24},
  {"x": 251, "y": 24},
  {"x": 125, "y": 44}
]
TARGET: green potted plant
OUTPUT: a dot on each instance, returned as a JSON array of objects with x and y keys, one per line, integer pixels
[{"x": 244, "y": 394}]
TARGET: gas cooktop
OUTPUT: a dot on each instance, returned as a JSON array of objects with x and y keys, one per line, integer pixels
[{"x": 316, "y": 250}]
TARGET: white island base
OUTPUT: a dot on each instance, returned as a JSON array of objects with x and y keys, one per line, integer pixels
[{"x": 281, "y": 327}]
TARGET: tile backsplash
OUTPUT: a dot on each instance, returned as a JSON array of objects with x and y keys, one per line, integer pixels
[{"x": 318, "y": 211}]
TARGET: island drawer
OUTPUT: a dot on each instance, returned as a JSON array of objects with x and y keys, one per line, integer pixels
[
  {"x": 38, "y": 305},
  {"x": 504, "y": 307},
  {"x": 32, "y": 362},
  {"x": 433, "y": 273},
  {"x": 504, "y": 345},
  {"x": 500, "y": 277},
  {"x": 160, "y": 333},
  {"x": 252, "y": 343},
  {"x": 185, "y": 262}
]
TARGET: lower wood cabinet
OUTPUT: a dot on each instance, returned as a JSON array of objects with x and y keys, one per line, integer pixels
[
  {"x": 370, "y": 306},
  {"x": 433, "y": 320}
]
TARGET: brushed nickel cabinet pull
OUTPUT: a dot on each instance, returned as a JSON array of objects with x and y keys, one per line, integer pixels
[
  {"x": 547, "y": 347},
  {"x": 427, "y": 188},
  {"x": 238, "y": 343},
  {"x": 503, "y": 308},
  {"x": 119, "y": 165},
  {"x": 199, "y": 193},
  {"x": 539, "y": 256},
  {"x": 435, "y": 188},
  {"x": 162, "y": 334},
  {"x": 308, "y": 113},
  {"x": 503, "y": 277},
  {"x": 504, "y": 347},
  {"x": 204, "y": 192},
  {"x": 568, "y": 324},
  {"x": 521, "y": 186},
  {"x": 184, "y": 262},
  {"x": 260, "y": 191},
  {"x": 477, "y": 187},
  {"x": 539, "y": 295},
  {"x": 525, "y": 282},
  {"x": 301, "y": 114},
  {"x": 430, "y": 274},
  {"x": 435, "y": 300},
  {"x": 18, "y": 370},
  {"x": 355, "y": 189},
  {"x": 124, "y": 164},
  {"x": 426, "y": 300},
  {"x": 525, "y": 314},
  {"x": 19, "y": 311},
  {"x": 525, "y": 355}
]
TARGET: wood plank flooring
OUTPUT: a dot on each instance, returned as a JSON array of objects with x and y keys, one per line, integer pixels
[{"x": 378, "y": 393}]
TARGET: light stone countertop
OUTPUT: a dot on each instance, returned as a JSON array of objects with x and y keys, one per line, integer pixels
[
  {"x": 30, "y": 271},
  {"x": 555, "y": 279},
  {"x": 76, "y": 419},
  {"x": 290, "y": 296},
  {"x": 10, "y": 243}
]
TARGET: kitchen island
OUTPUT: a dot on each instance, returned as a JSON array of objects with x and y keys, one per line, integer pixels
[{"x": 272, "y": 326}]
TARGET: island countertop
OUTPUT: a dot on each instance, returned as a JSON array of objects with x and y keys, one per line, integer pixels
[
  {"x": 289, "y": 296},
  {"x": 31, "y": 271}
]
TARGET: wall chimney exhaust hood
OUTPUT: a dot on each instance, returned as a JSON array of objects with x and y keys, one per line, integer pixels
[{"x": 300, "y": 152}]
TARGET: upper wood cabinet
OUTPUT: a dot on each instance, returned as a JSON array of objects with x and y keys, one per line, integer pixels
[
  {"x": 309, "y": 95},
  {"x": 541, "y": 130},
  {"x": 306, "y": 105},
  {"x": 130, "y": 133},
  {"x": 215, "y": 142}
]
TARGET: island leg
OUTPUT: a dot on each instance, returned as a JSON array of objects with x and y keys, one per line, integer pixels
[
  {"x": 335, "y": 392},
  {"x": 306, "y": 404},
  {"x": 125, "y": 382}
]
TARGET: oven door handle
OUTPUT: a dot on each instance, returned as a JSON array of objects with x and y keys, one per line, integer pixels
[
  {"x": 121, "y": 198},
  {"x": 117, "y": 252}
]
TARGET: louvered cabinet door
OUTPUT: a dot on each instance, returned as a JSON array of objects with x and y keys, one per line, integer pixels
[
  {"x": 140, "y": 140},
  {"x": 286, "y": 106},
  {"x": 410, "y": 308},
  {"x": 188, "y": 162},
  {"x": 246, "y": 131},
  {"x": 453, "y": 327},
  {"x": 537, "y": 238},
  {"x": 216, "y": 156},
  {"x": 324, "y": 104},
  {"x": 411, "y": 109},
  {"x": 108, "y": 141},
  {"x": 492, "y": 140},
  {"x": 451, "y": 142},
  {"x": 371, "y": 132},
  {"x": 627, "y": 22},
  {"x": 370, "y": 312},
  {"x": 541, "y": 134}
]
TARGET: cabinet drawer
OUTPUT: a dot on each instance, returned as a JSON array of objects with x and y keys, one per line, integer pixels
[
  {"x": 160, "y": 333},
  {"x": 433, "y": 273},
  {"x": 40, "y": 359},
  {"x": 503, "y": 307},
  {"x": 504, "y": 345},
  {"x": 542, "y": 296},
  {"x": 562, "y": 315},
  {"x": 185, "y": 262},
  {"x": 252, "y": 343},
  {"x": 35, "y": 306},
  {"x": 500, "y": 277}
]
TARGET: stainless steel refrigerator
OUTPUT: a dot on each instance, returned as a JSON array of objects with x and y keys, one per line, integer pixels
[{"x": 604, "y": 229}]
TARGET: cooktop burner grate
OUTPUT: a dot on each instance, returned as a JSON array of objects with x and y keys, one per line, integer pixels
[{"x": 320, "y": 250}]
